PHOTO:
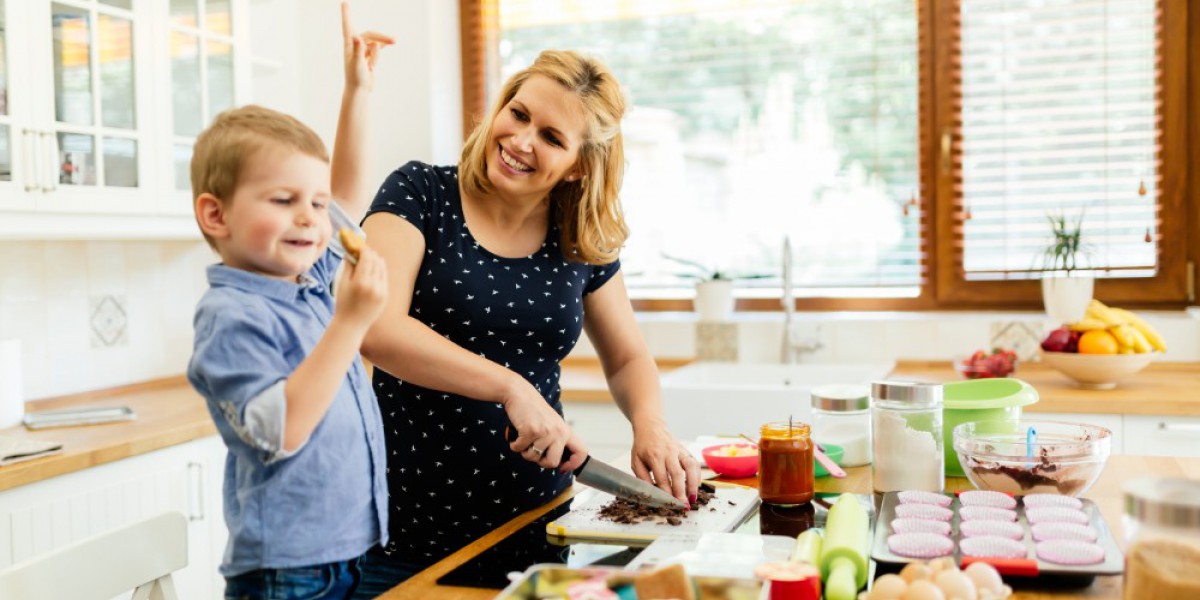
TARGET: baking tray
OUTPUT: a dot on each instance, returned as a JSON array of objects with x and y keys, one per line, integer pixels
[
  {"x": 1031, "y": 567},
  {"x": 71, "y": 417}
]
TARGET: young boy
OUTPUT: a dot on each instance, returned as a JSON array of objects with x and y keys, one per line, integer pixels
[{"x": 276, "y": 358}]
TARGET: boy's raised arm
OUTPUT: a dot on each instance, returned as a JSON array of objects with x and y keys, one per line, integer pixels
[{"x": 350, "y": 145}]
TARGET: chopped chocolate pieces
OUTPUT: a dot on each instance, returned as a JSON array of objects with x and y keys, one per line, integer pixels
[{"x": 627, "y": 512}]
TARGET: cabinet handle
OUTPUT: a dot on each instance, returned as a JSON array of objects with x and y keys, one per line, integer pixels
[
  {"x": 196, "y": 492},
  {"x": 32, "y": 159},
  {"x": 51, "y": 177},
  {"x": 1179, "y": 427}
]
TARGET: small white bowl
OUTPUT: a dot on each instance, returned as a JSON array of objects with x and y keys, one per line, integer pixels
[{"x": 1097, "y": 371}]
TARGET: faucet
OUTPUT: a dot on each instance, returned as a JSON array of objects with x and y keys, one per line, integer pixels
[{"x": 793, "y": 344}]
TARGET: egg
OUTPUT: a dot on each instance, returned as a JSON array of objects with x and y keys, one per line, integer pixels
[
  {"x": 985, "y": 577},
  {"x": 955, "y": 584},
  {"x": 914, "y": 571},
  {"x": 888, "y": 587},
  {"x": 922, "y": 589}
]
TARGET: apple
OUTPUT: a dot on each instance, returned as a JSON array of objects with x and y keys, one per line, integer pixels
[{"x": 1060, "y": 340}]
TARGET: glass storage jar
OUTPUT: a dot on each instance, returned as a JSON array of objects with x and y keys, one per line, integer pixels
[
  {"x": 1162, "y": 538},
  {"x": 785, "y": 463},
  {"x": 842, "y": 416},
  {"x": 906, "y": 421}
]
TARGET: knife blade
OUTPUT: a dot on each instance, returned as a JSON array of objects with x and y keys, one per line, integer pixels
[{"x": 602, "y": 476}]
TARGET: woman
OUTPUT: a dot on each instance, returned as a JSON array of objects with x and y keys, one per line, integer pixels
[{"x": 495, "y": 269}]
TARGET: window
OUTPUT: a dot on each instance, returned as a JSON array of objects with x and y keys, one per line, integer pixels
[{"x": 833, "y": 123}]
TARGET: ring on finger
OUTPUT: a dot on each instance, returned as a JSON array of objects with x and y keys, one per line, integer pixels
[{"x": 537, "y": 450}]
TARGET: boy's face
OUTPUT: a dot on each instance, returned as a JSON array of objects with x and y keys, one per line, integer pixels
[{"x": 278, "y": 219}]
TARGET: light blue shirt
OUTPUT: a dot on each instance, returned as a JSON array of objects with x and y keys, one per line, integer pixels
[{"x": 325, "y": 501}]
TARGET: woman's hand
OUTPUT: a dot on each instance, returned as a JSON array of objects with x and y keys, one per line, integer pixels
[
  {"x": 660, "y": 459},
  {"x": 360, "y": 52},
  {"x": 542, "y": 433}
]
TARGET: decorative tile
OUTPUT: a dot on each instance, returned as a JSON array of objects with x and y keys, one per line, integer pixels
[
  {"x": 1022, "y": 337},
  {"x": 110, "y": 322},
  {"x": 716, "y": 341}
]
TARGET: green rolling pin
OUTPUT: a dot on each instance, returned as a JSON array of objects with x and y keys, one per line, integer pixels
[
  {"x": 808, "y": 548},
  {"x": 844, "y": 551}
]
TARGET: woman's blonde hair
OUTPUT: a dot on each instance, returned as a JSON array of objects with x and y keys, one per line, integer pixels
[{"x": 587, "y": 210}]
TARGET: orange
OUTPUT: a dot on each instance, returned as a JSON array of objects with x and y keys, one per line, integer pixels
[{"x": 1098, "y": 341}]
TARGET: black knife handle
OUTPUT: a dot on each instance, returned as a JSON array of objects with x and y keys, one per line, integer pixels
[{"x": 510, "y": 434}]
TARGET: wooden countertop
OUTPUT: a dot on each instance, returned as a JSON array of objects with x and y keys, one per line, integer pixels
[
  {"x": 169, "y": 412},
  {"x": 1171, "y": 389},
  {"x": 1106, "y": 493}
]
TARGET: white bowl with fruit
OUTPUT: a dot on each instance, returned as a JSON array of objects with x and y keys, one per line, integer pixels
[{"x": 1105, "y": 347}]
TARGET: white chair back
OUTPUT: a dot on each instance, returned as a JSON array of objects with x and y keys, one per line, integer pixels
[{"x": 139, "y": 557}]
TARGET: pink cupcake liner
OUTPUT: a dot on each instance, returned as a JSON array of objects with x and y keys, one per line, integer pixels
[
  {"x": 986, "y": 513},
  {"x": 920, "y": 545},
  {"x": 923, "y": 511},
  {"x": 923, "y": 497},
  {"x": 1004, "y": 529},
  {"x": 990, "y": 546},
  {"x": 920, "y": 526},
  {"x": 1043, "y": 532},
  {"x": 987, "y": 498},
  {"x": 1055, "y": 515},
  {"x": 1051, "y": 501},
  {"x": 1070, "y": 552}
]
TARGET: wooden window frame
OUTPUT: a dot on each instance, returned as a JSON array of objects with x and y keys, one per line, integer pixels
[{"x": 943, "y": 285}]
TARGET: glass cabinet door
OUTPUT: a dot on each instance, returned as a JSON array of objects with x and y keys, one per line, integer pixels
[
  {"x": 202, "y": 74},
  {"x": 96, "y": 124},
  {"x": 6, "y": 127}
]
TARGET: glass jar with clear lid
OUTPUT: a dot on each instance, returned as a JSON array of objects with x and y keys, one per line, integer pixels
[
  {"x": 906, "y": 424},
  {"x": 1162, "y": 538},
  {"x": 842, "y": 417}
]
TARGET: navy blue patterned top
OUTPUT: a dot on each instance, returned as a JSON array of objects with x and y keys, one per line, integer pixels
[{"x": 451, "y": 475}]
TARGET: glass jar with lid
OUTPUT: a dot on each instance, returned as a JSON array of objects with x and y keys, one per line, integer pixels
[
  {"x": 842, "y": 417},
  {"x": 906, "y": 423},
  {"x": 785, "y": 463},
  {"x": 1162, "y": 538}
]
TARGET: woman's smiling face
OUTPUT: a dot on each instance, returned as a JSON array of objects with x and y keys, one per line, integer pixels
[{"x": 535, "y": 140}]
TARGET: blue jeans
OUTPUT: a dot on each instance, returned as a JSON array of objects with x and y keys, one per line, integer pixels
[
  {"x": 382, "y": 573},
  {"x": 336, "y": 580}
]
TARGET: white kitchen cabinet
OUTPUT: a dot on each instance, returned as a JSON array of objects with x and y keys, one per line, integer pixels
[
  {"x": 1150, "y": 435},
  {"x": 1114, "y": 423},
  {"x": 602, "y": 426},
  {"x": 100, "y": 104},
  {"x": 43, "y": 516}
]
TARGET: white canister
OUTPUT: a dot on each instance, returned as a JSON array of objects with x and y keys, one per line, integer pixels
[
  {"x": 12, "y": 398},
  {"x": 842, "y": 416}
]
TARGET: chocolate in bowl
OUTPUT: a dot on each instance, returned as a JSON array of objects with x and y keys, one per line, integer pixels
[{"x": 1067, "y": 458}]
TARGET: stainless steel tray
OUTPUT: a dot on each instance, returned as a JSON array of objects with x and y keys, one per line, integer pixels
[
  {"x": 72, "y": 417},
  {"x": 1031, "y": 566}
]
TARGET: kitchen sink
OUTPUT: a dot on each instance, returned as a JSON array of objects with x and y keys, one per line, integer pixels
[{"x": 711, "y": 398}]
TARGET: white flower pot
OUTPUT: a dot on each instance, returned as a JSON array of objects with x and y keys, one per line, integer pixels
[
  {"x": 1067, "y": 298},
  {"x": 714, "y": 300}
]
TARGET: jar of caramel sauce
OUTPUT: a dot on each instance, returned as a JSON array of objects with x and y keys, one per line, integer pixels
[{"x": 785, "y": 463}]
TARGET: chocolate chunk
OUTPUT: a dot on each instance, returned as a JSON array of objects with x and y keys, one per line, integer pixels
[{"x": 627, "y": 512}]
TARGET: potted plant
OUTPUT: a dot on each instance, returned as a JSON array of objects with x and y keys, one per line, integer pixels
[
  {"x": 1066, "y": 290},
  {"x": 714, "y": 288}
]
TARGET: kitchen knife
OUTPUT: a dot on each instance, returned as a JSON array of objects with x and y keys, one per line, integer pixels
[{"x": 607, "y": 478}]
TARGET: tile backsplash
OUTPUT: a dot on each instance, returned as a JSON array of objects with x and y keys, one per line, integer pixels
[{"x": 92, "y": 315}]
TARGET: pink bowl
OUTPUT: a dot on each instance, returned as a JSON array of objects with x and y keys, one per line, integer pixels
[{"x": 735, "y": 467}]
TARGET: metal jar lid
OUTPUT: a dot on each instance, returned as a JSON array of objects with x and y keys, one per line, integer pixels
[
  {"x": 841, "y": 397},
  {"x": 907, "y": 392},
  {"x": 1164, "y": 502}
]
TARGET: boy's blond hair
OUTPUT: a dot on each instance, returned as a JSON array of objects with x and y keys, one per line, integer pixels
[{"x": 221, "y": 151}]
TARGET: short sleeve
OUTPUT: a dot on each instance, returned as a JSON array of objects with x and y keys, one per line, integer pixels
[
  {"x": 405, "y": 193},
  {"x": 238, "y": 366},
  {"x": 600, "y": 274}
]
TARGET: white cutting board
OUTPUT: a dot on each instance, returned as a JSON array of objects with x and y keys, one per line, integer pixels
[{"x": 732, "y": 504}]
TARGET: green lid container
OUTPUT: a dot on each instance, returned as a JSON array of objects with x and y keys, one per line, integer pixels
[{"x": 980, "y": 400}]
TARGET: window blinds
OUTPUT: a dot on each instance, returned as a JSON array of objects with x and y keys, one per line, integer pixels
[{"x": 1059, "y": 117}]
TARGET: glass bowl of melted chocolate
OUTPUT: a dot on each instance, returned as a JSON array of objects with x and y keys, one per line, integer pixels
[{"x": 1021, "y": 457}]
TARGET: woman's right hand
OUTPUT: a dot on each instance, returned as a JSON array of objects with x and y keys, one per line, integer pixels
[{"x": 542, "y": 432}]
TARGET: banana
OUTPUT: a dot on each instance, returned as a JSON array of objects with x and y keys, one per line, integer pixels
[
  {"x": 1124, "y": 335},
  {"x": 1087, "y": 324},
  {"x": 1140, "y": 344},
  {"x": 1097, "y": 310},
  {"x": 1152, "y": 336}
]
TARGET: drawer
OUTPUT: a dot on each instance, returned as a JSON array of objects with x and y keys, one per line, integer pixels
[
  {"x": 1114, "y": 423},
  {"x": 599, "y": 424},
  {"x": 1150, "y": 435}
]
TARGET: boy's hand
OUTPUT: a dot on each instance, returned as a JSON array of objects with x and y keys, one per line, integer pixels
[
  {"x": 362, "y": 290},
  {"x": 360, "y": 52}
]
